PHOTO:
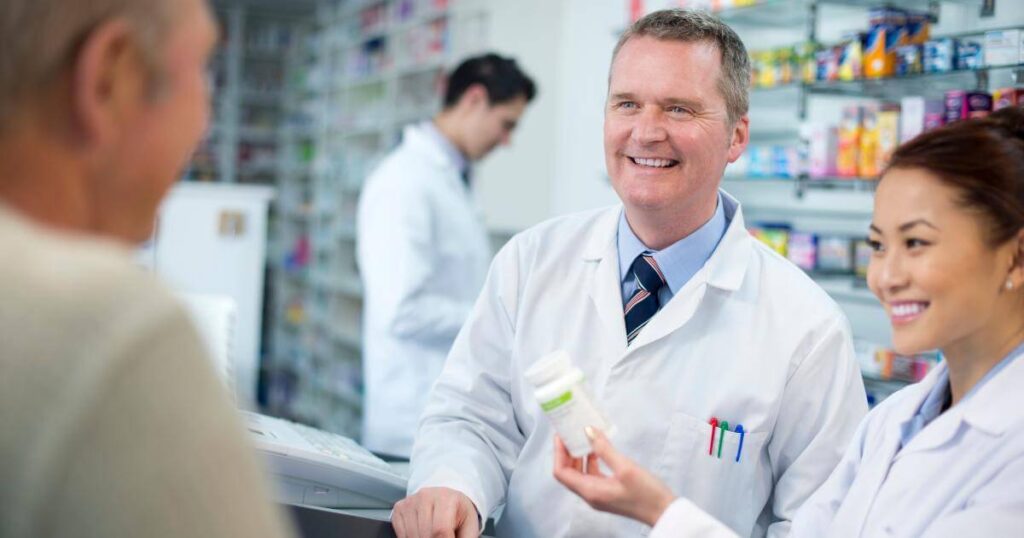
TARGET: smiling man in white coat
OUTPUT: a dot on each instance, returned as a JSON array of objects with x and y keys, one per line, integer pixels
[
  {"x": 423, "y": 250},
  {"x": 679, "y": 319}
]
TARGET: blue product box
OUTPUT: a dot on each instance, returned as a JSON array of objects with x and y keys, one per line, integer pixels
[
  {"x": 909, "y": 60},
  {"x": 970, "y": 55},
  {"x": 940, "y": 55}
]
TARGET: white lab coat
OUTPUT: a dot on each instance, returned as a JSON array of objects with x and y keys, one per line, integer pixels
[
  {"x": 748, "y": 339},
  {"x": 423, "y": 255},
  {"x": 962, "y": 475}
]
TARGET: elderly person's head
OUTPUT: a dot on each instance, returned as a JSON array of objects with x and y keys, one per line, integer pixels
[
  {"x": 101, "y": 105},
  {"x": 676, "y": 115}
]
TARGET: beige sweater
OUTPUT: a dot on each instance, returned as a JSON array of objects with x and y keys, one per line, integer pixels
[{"x": 112, "y": 422}]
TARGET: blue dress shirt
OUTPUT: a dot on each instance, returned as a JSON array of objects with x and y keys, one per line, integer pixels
[
  {"x": 449, "y": 149},
  {"x": 678, "y": 261}
]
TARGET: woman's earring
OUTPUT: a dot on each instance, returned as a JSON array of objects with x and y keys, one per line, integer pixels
[{"x": 1009, "y": 285}]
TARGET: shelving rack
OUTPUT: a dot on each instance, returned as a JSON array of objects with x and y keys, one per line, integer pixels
[
  {"x": 842, "y": 206},
  {"x": 366, "y": 69}
]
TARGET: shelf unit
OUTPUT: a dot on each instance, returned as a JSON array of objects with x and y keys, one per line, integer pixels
[
  {"x": 842, "y": 206},
  {"x": 365, "y": 69}
]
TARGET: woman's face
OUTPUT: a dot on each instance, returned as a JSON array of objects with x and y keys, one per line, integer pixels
[{"x": 941, "y": 283}]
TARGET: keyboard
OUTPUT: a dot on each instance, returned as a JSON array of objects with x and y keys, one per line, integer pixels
[{"x": 320, "y": 468}]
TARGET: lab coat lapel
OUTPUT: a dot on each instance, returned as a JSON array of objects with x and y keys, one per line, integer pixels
[
  {"x": 992, "y": 410},
  {"x": 724, "y": 270},
  {"x": 604, "y": 287}
]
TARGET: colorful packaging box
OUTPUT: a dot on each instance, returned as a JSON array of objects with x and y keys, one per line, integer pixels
[
  {"x": 911, "y": 117},
  {"x": 969, "y": 55},
  {"x": 808, "y": 63},
  {"x": 909, "y": 60},
  {"x": 934, "y": 114},
  {"x": 803, "y": 250},
  {"x": 861, "y": 258},
  {"x": 879, "y": 58},
  {"x": 851, "y": 59},
  {"x": 1002, "y": 47},
  {"x": 776, "y": 238},
  {"x": 835, "y": 255},
  {"x": 956, "y": 105},
  {"x": 888, "y": 135},
  {"x": 940, "y": 55},
  {"x": 828, "y": 64},
  {"x": 978, "y": 104},
  {"x": 848, "y": 152},
  {"x": 867, "y": 164},
  {"x": 824, "y": 141},
  {"x": 1006, "y": 97},
  {"x": 918, "y": 27}
]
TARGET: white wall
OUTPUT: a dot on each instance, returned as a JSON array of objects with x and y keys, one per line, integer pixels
[{"x": 512, "y": 184}]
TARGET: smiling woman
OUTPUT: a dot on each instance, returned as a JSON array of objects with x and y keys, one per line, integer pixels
[{"x": 947, "y": 235}]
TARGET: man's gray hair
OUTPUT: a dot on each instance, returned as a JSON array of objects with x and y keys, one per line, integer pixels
[
  {"x": 41, "y": 37},
  {"x": 696, "y": 26}
]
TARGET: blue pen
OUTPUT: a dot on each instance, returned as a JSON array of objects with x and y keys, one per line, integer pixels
[{"x": 739, "y": 449}]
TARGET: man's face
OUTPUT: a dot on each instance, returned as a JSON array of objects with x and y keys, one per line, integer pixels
[
  {"x": 157, "y": 139},
  {"x": 667, "y": 137},
  {"x": 490, "y": 126}
]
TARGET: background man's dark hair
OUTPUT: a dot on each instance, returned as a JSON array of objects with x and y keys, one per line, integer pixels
[{"x": 501, "y": 77}]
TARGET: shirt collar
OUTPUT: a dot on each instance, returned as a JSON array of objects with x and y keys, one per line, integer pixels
[
  {"x": 450, "y": 151},
  {"x": 939, "y": 394},
  {"x": 680, "y": 260}
]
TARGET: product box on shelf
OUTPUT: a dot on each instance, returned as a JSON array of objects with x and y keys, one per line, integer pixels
[
  {"x": 940, "y": 55},
  {"x": 847, "y": 155},
  {"x": 909, "y": 60},
  {"x": 879, "y": 53},
  {"x": 851, "y": 59},
  {"x": 835, "y": 255},
  {"x": 803, "y": 250},
  {"x": 956, "y": 108},
  {"x": 807, "y": 61},
  {"x": 828, "y": 63},
  {"x": 1002, "y": 47},
  {"x": 934, "y": 114},
  {"x": 969, "y": 55},
  {"x": 1006, "y": 97},
  {"x": 867, "y": 158},
  {"x": 888, "y": 135},
  {"x": 824, "y": 140},
  {"x": 911, "y": 117},
  {"x": 776, "y": 237},
  {"x": 862, "y": 252}
]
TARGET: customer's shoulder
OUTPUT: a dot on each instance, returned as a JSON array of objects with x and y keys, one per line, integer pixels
[{"x": 72, "y": 274}]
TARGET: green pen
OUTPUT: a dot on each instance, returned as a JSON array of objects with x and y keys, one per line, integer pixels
[{"x": 724, "y": 426}]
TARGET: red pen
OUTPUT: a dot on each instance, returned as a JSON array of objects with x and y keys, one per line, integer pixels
[{"x": 714, "y": 426}]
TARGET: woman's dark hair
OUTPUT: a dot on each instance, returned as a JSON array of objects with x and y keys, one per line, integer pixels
[
  {"x": 983, "y": 159},
  {"x": 501, "y": 77}
]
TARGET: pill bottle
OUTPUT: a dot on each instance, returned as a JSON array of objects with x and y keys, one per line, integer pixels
[{"x": 558, "y": 387}]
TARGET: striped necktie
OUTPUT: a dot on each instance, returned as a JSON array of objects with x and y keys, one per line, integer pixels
[{"x": 644, "y": 303}]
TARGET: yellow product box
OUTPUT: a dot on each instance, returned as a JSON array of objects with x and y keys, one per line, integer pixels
[
  {"x": 847, "y": 155},
  {"x": 868, "y": 157},
  {"x": 851, "y": 60},
  {"x": 888, "y": 135}
]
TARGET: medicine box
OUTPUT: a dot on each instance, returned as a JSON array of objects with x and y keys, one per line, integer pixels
[{"x": 1002, "y": 47}]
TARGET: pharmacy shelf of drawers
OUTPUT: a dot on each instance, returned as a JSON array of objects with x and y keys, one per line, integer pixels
[
  {"x": 840, "y": 207},
  {"x": 369, "y": 68}
]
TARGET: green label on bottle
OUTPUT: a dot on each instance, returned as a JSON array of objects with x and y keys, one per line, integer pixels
[{"x": 556, "y": 402}]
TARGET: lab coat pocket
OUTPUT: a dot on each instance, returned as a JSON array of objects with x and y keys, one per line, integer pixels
[{"x": 709, "y": 473}]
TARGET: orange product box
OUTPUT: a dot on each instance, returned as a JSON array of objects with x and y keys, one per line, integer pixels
[{"x": 848, "y": 154}]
